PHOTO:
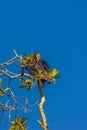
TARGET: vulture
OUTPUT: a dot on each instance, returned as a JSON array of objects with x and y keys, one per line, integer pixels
[{"x": 37, "y": 65}]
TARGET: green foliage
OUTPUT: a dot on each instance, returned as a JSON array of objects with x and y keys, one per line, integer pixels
[
  {"x": 2, "y": 91},
  {"x": 18, "y": 124},
  {"x": 0, "y": 81},
  {"x": 27, "y": 83},
  {"x": 27, "y": 58},
  {"x": 53, "y": 73}
]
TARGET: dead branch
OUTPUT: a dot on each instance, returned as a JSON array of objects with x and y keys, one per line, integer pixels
[
  {"x": 16, "y": 104},
  {"x": 11, "y": 60},
  {"x": 43, "y": 124},
  {"x": 16, "y": 75}
]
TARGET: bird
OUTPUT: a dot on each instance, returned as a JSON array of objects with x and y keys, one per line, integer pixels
[{"x": 35, "y": 65}]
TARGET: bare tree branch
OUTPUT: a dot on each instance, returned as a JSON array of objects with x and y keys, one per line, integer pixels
[
  {"x": 16, "y": 75},
  {"x": 43, "y": 124},
  {"x": 12, "y": 59},
  {"x": 16, "y": 105}
]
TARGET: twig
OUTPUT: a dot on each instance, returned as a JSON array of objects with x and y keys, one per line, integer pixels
[
  {"x": 11, "y": 60},
  {"x": 16, "y": 75}
]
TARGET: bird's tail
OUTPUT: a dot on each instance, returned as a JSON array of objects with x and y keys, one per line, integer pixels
[{"x": 41, "y": 83}]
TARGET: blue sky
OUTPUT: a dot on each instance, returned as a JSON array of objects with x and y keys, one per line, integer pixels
[{"x": 58, "y": 31}]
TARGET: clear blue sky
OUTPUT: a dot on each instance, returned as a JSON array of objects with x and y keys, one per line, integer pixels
[{"x": 58, "y": 31}]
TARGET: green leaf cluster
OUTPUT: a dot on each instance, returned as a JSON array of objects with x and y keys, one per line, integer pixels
[
  {"x": 18, "y": 124},
  {"x": 54, "y": 73},
  {"x": 27, "y": 58},
  {"x": 27, "y": 83},
  {"x": 3, "y": 91}
]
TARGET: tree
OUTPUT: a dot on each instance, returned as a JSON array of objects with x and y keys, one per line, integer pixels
[{"x": 38, "y": 72}]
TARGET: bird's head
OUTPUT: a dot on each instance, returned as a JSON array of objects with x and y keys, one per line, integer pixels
[{"x": 37, "y": 56}]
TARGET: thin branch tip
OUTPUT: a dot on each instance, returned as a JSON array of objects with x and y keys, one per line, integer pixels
[{"x": 15, "y": 52}]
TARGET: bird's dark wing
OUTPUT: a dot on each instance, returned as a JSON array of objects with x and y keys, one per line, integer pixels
[
  {"x": 32, "y": 69},
  {"x": 45, "y": 65}
]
